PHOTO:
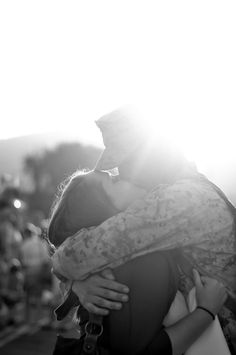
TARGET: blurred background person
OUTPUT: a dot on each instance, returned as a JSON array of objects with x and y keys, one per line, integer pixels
[
  {"x": 36, "y": 265},
  {"x": 14, "y": 292}
]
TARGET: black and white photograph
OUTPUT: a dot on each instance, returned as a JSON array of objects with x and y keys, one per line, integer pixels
[{"x": 117, "y": 177}]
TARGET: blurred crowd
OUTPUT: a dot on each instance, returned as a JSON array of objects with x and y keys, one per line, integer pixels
[{"x": 27, "y": 287}]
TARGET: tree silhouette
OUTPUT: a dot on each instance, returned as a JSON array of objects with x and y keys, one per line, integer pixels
[{"x": 52, "y": 167}]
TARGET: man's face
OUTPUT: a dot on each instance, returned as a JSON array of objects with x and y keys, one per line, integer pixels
[
  {"x": 149, "y": 166},
  {"x": 141, "y": 171}
]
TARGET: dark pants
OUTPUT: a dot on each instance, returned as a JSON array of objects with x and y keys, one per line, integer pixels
[{"x": 153, "y": 281}]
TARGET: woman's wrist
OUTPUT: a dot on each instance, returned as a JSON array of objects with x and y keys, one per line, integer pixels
[
  {"x": 207, "y": 311},
  {"x": 203, "y": 314},
  {"x": 186, "y": 331}
]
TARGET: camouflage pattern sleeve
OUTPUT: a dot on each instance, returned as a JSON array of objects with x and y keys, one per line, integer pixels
[{"x": 188, "y": 213}]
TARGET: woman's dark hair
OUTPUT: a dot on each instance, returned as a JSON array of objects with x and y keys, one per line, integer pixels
[{"x": 80, "y": 205}]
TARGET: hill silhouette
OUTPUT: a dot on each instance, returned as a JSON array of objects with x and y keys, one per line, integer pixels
[{"x": 14, "y": 150}]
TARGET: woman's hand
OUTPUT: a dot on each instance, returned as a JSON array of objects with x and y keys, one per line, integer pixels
[
  {"x": 210, "y": 293},
  {"x": 100, "y": 293}
]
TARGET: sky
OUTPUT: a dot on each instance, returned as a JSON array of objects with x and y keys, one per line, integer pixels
[{"x": 63, "y": 64}]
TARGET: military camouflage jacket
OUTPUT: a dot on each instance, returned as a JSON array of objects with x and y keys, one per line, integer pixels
[{"x": 190, "y": 213}]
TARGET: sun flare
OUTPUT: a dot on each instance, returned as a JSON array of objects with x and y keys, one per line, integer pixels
[{"x": 208, "y": 143}]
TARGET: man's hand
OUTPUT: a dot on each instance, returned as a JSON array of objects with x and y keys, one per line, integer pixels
[{"x": 100, "y": 293}]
